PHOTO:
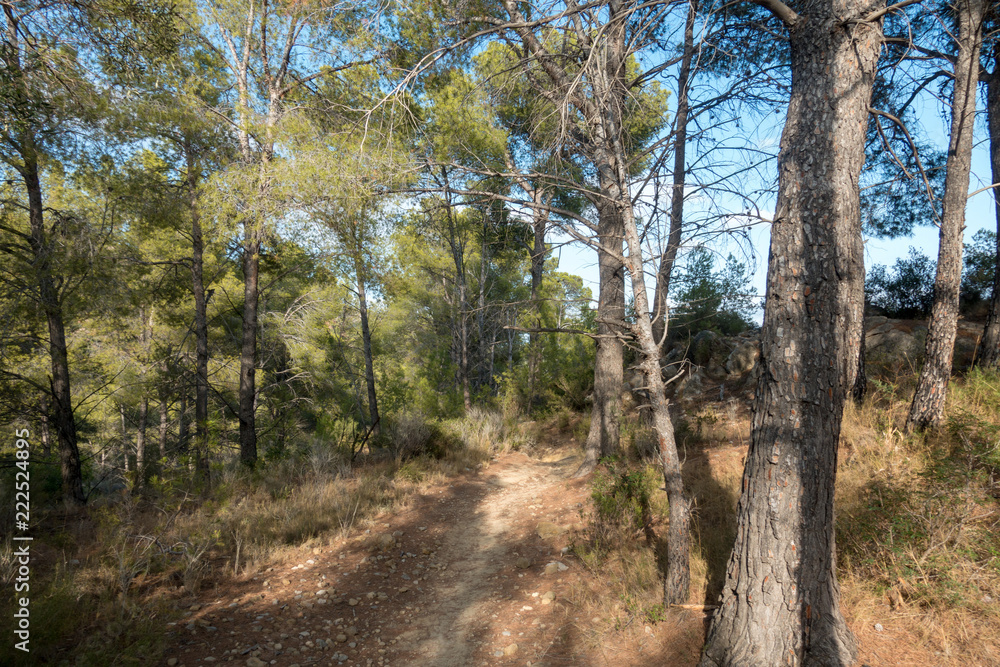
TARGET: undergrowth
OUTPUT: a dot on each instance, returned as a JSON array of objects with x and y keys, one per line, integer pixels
[{"x": 104, "y": 598}]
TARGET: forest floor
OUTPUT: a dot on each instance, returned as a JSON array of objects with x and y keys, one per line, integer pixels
[{"x": 477, "y": 570}]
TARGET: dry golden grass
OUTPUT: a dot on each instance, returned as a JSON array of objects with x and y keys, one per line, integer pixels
[{"x": 918, "y": 524}]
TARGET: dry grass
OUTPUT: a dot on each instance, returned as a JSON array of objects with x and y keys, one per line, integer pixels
[
  {"x": 143, "y": 551},
  {"x": 918, "y": 524}
]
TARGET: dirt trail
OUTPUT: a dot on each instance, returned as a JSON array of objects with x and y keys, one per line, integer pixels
[
  {"x": 473, "y": 572},
  {"x": 477, "y": 546}
]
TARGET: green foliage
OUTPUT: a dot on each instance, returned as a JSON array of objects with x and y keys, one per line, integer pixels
[
  {"x": 907, "y": 291},
  {"x": 621, "y": 494},
  {"x": 979, "y": 267},
  {"x": 709, "y": 299}
]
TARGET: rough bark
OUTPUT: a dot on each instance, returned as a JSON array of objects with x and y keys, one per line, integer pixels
[
  {"x": 988, "y": 353},
  {"x": 780, "y": 603},
  {"x": 609, "y": 371},
  {"x": 366, "y": 337},
  {"x": 663, "y": 275},
  {"x": 927, "y": 408}
]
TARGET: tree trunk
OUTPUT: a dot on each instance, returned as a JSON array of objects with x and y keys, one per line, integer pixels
[
  {"x": 781, "y": 601},
  {"x": 44, "y": 420},
  {"x": 140, "y": 444},
  {"x": 677, "y": 582},
  {"x": 125, "y": 447},
  {"x": 366, "y": 337},
  {"x": 988, "y": 353},
  {"x": 860, "y": 386},
  {"x": 62, "y": 409},
  {"x": 200, "y": 315},
  {"x": 927, "y": 408},
  {"x": 666, "y": 269},
  {"x": 164, "y": 425},
  {"x": 182, "y": 423},
  {"x": 248, "y": 351},
  {"x": 458, "y": 257},
  {"x": 539, "y": 223},
  {"x": 609, "y": 371}
]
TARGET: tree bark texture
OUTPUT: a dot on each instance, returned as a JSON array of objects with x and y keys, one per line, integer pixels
[
  {"x": 988, "y": 353},
  {"x": 665, "y": 272},
  {"x": 609, "y": 369},
  {"x": 927, "y": 408},
  {"x": 780, "y": 603}
]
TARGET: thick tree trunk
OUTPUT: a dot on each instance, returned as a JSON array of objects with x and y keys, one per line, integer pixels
[
  {"x": 988, "y": 354},
  {"x": 609, "y": 370},
  {"x": 366, "y": 337},
  {"x": 669, "y": 257},
  {"x": 781, "y": 601},
  {"x": 62, "y": 408},
  {"x": 927, "y": 408},
  {"x": 248, "y": 351}
]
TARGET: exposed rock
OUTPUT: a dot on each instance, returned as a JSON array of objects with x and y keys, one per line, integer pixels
[
  {"x": 555, "y": 567},
  {"x": 743, "y": 358},
  {"x": 708, "y": 348},
  {"x": 691, "y": 384},
  {"x": 547, "y": 529}
]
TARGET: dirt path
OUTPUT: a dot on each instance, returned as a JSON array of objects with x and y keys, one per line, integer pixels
[{"x": 474, "y": 571}]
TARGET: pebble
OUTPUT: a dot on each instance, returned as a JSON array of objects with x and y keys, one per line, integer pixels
[
  {"x": 555, "y": 567},
  {"x": 510, "y": 650}
]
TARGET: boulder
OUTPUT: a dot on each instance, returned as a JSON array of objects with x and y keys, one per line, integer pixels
[
  {"x": 743, "y": 358},
  {"x": 707, "y": 349}
]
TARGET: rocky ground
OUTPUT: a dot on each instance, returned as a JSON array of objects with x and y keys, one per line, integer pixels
[{"x": 477, "y": 571}]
